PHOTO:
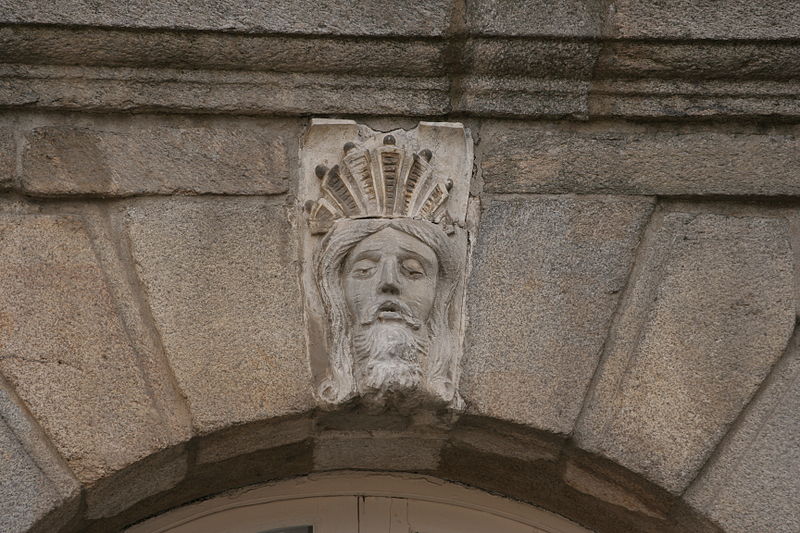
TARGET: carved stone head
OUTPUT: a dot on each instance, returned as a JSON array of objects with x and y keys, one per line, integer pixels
[{"x": 386, "y": 273}]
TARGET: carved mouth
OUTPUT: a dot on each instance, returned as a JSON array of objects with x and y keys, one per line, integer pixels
[
  {"x": 389, "y": 311},
  {"x": 392, "y": 311}
]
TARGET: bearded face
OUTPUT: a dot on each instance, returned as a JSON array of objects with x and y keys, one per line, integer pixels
[{"x": 389, "y": 282}]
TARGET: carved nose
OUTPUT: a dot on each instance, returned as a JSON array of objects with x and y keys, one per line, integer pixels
[{"x": 388, "y": 282}]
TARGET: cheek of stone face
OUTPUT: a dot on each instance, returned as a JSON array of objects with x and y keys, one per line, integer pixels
[
  {"x": 357, "y": 296},
  {"x": 419, "y": 297}
]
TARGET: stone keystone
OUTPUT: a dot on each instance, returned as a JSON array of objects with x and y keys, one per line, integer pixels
[{"x": 384, "y": 252}]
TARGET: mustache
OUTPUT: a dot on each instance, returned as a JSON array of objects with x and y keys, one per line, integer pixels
[{"x": 393, "y": 306}]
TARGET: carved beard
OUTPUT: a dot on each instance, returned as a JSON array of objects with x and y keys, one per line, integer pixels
[{"x": 388, "y": 362}]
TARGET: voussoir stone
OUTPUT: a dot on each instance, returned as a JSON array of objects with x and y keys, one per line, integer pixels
[
  {"x": 34, "y": 481},
  {"x": 753, "y": 484},
  {"x": 547, "y": 275},
  {"x": 358, "y": 17},
  {"x": 707, "y": 316},
  {"x": 221, "y": 277},
  {"x": 65, "y": 348},
  {"x": 525, "y": 159},
  {"x": 135, "y": 157}
]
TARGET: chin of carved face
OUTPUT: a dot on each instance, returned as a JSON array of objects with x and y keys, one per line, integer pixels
[{"x": 388, "y": 359}]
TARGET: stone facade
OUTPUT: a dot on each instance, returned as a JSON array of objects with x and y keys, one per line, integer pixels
[{"x": 631, "y": 272}]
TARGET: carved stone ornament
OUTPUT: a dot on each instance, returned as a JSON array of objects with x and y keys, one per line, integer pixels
[{"x": 384, "y": 252}]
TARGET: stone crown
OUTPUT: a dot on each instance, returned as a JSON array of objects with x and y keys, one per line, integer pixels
[{"x": 384, "y": 182}]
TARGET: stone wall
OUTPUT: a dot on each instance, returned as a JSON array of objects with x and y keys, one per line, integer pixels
[{"x": 631, "y": 358}]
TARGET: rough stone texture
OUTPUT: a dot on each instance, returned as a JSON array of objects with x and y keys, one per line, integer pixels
[
  {"x": 588, "y": 482},
  {"x": 377, "y": 451},
  {"x": 209, "y": 479},
  {"x": 66, "y": 350},
  {"x": 705, "y": 19},
  {"x": 517, "y": 96},
  {"x": 556, "y": 159},
  {"x": 537, "y": 58},
  {"x": 252, "y": 438},
  {"x": 218, "y": 50},
  {"x": 680, "y": 98},
  {"x": 219, "y": 91},
  {"x": 546, "y": 278},
  {"x": 709, "y": 313},
  {"x": 574, "y": 18},
  {"x": 360, "y": 17},
  {"x": 8, "y": 156},
  {"x": 698, "y": 60},
  {"x": 753, "y": 483},
  {"x": 134, "y": 157},
  {"x": 509, "y": 440},
  {"x": 33, "y": 478},
  {"x": 221, "y": 279},
  {"x": 157, "y": 473}
]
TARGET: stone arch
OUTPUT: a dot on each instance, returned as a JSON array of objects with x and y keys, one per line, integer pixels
[
  {"x": 504, "y": 459},
  {"x": 631, "y": 348}
]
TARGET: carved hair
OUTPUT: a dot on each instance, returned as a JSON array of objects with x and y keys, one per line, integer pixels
[{"x": 328, "y": 262}]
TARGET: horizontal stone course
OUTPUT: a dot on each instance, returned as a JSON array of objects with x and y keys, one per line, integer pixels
[
  {"x": 135, "y": 157},
  {"x": 358, "y": 17},
  {"x": 709, "y": 311},
  {"x": 573, "y": 18},
  {"x": 126, "y": 89},
  {"x": 547, "y": 274},
  {"x": 705, "y": 19},
  {"x": 523, "y": 158},
  {"x": 536, "y": 56},
  {"x": 89, "y": 46},
  {"x": 698, "y": 60}
]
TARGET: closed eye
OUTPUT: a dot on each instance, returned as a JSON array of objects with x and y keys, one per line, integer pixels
[
  {"x": 362, "y": 269},
  {"x": 413, "y": 268}
]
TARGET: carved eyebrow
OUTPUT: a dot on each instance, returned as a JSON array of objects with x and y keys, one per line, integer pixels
[
  {"x": 368, "y": 251},
  {"x": 415, "y": 254}
]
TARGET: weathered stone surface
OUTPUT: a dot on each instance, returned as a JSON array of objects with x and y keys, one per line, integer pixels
[
  {"x": 546, "y": 278},
  {"x": 56, "y": 45},
  {"x": 705, "y": 19},
  {"x": 361, "y": 17},
  {"x": 573, "y": 18},
  {"x": 753, "y": 484},
  {"x": 136, "y": 157},
  {"x": 377, "y": 451},
  {"x": 220, "y": 277},
  {"x": 708, "y": 314},
  {"x": 252, "y": 438},
  {"x": 33, "y": 479},
  {"x": 682, "y": 98},
  {"x": 155, "y": 474},
  {"x": 537, "y": 58},
  {"x": 219, "y": 91},
  {"x": 518, "y": 96},
  {"x": 590, "y": 483},
  {"x": 66, "y": 350},
  {"x": 8, "y": 156},
  {"x": 699, "y": 60},
  {"x": 554, "y": 159}
]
